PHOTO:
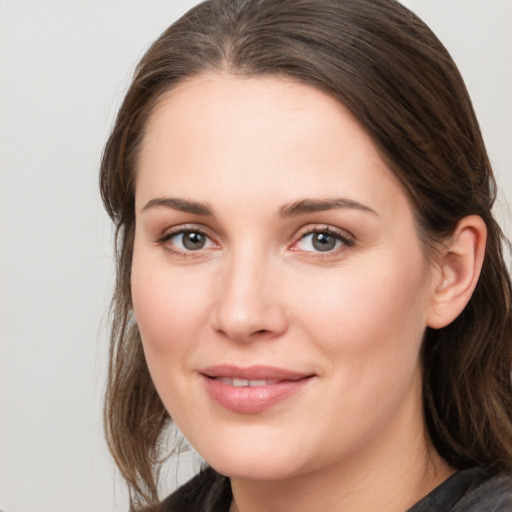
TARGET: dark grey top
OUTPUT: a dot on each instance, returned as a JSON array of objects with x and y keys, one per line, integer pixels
[{"x": 469, "y": 490}]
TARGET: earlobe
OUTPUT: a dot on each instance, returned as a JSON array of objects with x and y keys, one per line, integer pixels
[{"x": 459, "y": 269}]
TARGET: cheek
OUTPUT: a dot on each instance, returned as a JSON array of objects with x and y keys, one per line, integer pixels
[
  {"x": 375, "y": 317},
  {"x": 170, "y": 311},
  {"x": 170, "y": 307},
  {"x": 369, "y": 329}
]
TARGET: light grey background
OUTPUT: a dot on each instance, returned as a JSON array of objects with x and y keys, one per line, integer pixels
[{"x": 64, "y": 66}]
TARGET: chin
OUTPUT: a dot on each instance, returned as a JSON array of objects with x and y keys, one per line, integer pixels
[
  {"x": 248, "y": 468},
  {"x": 252, "y": 458}
]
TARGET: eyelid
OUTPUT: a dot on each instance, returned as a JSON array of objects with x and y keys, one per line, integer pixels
[
  {"x": 347, "y": 239},
  {"x": 181, "y": 228},
  {"x": 169, "y": 233}
]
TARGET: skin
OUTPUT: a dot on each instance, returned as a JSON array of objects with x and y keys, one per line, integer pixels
[{"x": 260, "y": 292}]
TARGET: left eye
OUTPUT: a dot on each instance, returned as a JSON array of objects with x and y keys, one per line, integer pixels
[
  {"x": 320, "y": 241},
  {"x": 189, "y": 241}
]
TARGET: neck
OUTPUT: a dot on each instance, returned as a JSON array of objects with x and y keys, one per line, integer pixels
[{"x": 386, "y": 490}]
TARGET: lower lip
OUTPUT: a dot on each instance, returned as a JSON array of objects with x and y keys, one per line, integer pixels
[{"x": 250, "y": 400}]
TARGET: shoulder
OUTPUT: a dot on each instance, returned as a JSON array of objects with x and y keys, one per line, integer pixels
[
  {"x": 470, "y": 490},
  {"x": 492, "y": 494},
  {"x": 206, "y": 492}
]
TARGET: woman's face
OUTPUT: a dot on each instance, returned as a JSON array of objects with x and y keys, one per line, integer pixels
[{"x": 278, "y": 281}]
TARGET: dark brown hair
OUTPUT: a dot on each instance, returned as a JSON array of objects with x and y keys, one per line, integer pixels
[{"x": 390, "y": 70}]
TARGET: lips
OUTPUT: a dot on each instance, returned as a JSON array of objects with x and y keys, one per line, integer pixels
[
  {"x": 253, "y": 389},
  {"x": 253, "y": 383}
]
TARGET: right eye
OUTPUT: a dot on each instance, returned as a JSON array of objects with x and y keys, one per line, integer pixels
[{"x": 187, "y": 240}]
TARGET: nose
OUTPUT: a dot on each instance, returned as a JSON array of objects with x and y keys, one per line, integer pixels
[{"x": 248, "y": 302}]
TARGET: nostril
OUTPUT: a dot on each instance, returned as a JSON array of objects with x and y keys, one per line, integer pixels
[{"x": 247, "y": 316}]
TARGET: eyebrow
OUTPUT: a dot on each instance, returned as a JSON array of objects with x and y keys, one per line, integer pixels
[
  {"x": 296, "y": 208},
  {"x": 183, "y": 205},
  {"x": 319, "y": 205}
]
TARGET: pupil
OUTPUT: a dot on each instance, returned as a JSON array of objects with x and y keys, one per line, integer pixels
[
  {"x": 323, "y": 242},
  {"x": 193, "y": 241}
]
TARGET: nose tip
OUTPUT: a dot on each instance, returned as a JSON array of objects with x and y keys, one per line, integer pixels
[
  {"x": 248, "y": 307},
  {"x": 249, "y": 325}
]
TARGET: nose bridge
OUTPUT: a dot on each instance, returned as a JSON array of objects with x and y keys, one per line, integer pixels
[{"x": 248, "y": 303}]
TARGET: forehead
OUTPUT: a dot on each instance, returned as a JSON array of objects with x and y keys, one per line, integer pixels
[
  {"x": 259, "y": 105},
  {"x": 224, "y": 136}
]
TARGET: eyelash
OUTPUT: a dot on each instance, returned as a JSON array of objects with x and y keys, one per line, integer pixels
[
  {"x": 164, "y": 239},
  {"x": 345, "y": 239}
]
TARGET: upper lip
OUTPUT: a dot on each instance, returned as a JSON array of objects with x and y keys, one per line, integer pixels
[{"x": 256, "y": 372}]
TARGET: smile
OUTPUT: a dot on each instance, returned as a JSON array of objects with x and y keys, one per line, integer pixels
[
  {"x": 252, "y": 390},
  {"x": 245, "y": 382}
]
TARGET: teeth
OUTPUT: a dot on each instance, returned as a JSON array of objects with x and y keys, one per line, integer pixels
[
  {"x": 256, "y": 383},
  {"x": 246, "y": 383}
]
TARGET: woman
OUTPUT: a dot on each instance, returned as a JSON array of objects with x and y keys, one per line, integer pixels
[{"x": 310, "y": 281}]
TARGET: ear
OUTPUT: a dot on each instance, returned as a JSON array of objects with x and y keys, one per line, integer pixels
[{"x": 458, "y": 272}]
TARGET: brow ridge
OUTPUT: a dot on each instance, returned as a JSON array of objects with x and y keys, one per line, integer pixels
[
  {"x": 318, "y": 205},
  {"x": 183, "y": 205}
]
